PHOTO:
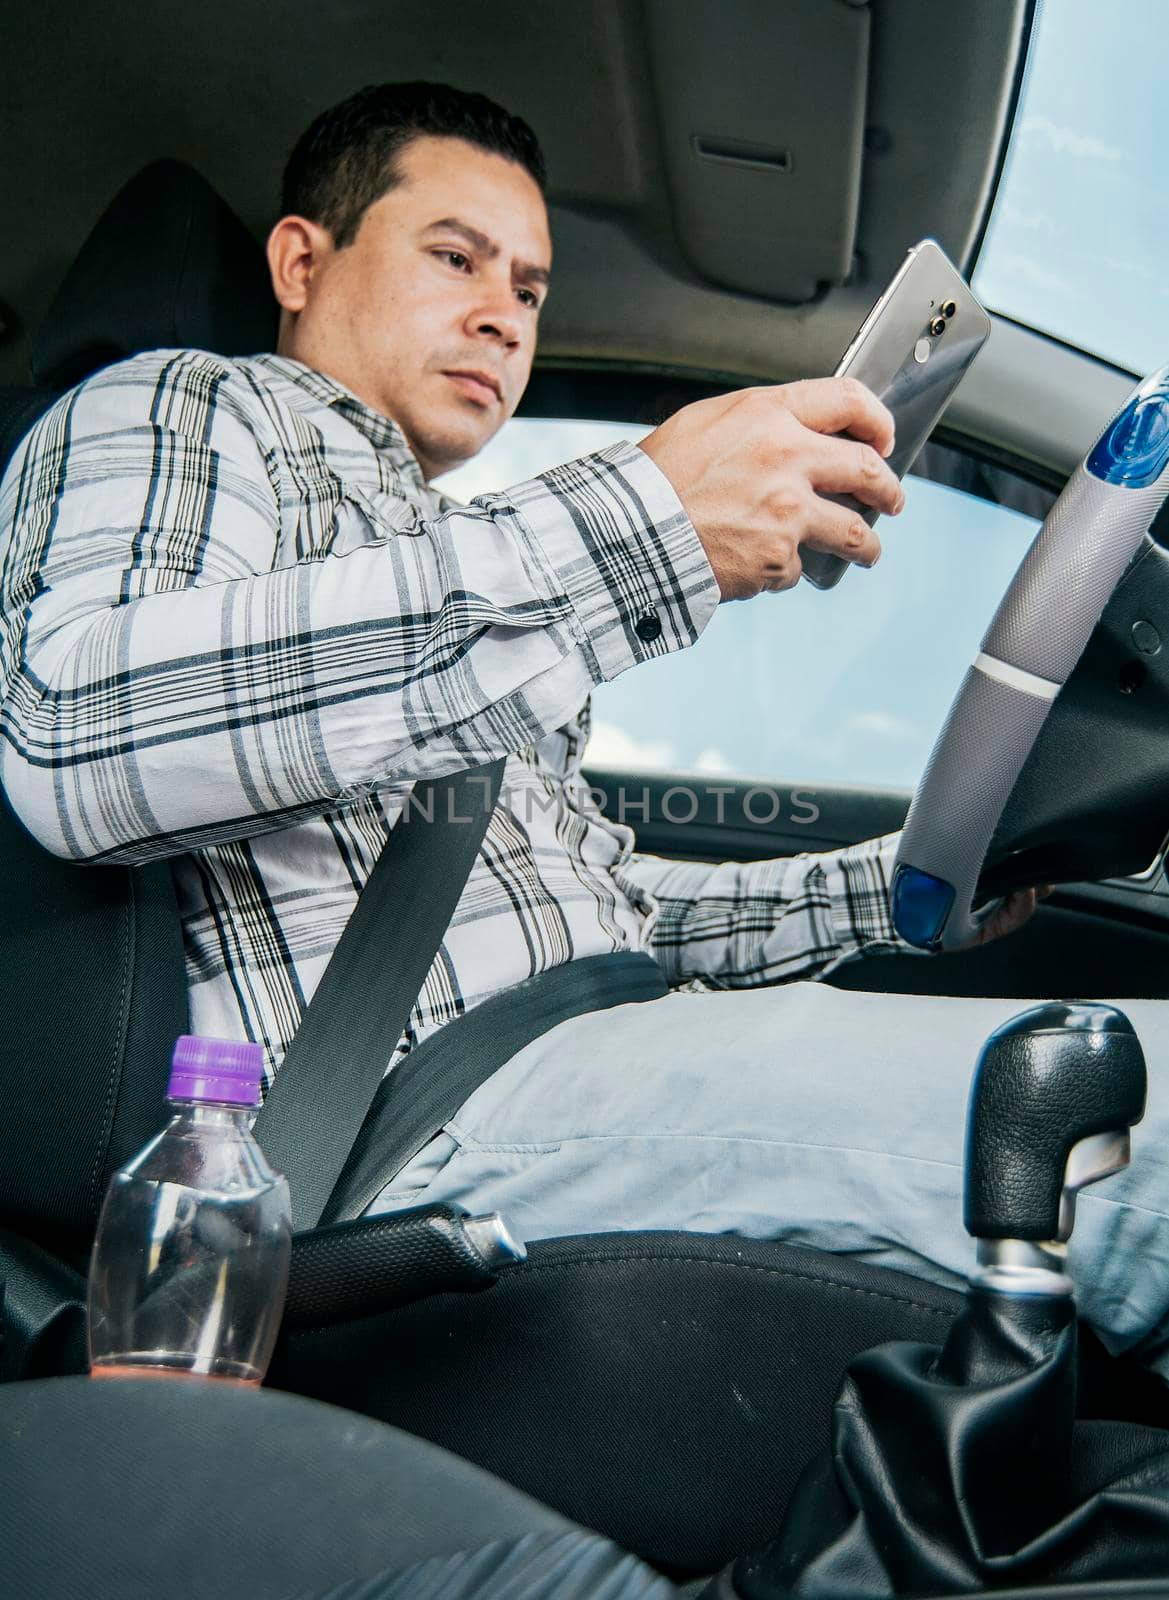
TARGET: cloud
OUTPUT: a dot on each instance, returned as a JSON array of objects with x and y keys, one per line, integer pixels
[
  {"x": 881, "y": 723},
  {"x": 1015, "y": 265},
  {"x": 1066, "y": 141},
  {"x": 610, "y": 746},
  {"x": 1016, "y": 216},
  {"x": 711, "y": 760},
  {"x": 1149, "y": 271}
]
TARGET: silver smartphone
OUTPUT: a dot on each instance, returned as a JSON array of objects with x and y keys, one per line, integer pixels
[{"x": 912, "y": 351}]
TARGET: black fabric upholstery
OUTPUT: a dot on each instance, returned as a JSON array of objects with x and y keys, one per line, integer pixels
[
  {"x": 42, "y": 1313},
  {"x": 536, "y": 1566},
  {"x": 19, "y": 409},
  {"x": 168, "y": 264},
  {"x": 140, "y": 1488},
  {"x": 92, "y": 985},
  {"x": 93, "y": 995},
  {"x": 665, "y": 1389}
]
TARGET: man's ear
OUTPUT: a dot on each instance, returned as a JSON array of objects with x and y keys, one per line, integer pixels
[{"x": 297, "y": 248}]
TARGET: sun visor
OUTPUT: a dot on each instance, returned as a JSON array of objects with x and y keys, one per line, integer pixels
[{"x": 761, "y": 107}]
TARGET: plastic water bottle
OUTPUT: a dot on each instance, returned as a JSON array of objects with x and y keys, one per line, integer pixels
[{"x": 190, "y": 1262}]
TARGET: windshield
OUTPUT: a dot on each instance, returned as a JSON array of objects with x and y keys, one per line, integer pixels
[{"x": 1079, "y": 236}]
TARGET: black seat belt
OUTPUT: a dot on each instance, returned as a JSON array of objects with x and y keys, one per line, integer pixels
[
  {"x": 424, "y": 1091},
  {"x": 319, "y": 1099}
]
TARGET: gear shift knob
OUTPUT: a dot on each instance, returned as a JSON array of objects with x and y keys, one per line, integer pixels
[
  {"x": 1055, "y": 1092},
  {"x": 962, "y": 1469}
]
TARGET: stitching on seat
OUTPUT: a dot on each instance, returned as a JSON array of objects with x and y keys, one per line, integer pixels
[
  {"x": 530, "y": 1267},
  {"x": 123, "y": 1024}
]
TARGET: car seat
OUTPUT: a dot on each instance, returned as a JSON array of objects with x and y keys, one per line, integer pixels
[
  {"x": 664, "y": 1389},
  {"x": 196, "y": 1491}
]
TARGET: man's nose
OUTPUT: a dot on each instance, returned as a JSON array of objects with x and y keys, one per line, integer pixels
[{"x": 497, "y": 315}]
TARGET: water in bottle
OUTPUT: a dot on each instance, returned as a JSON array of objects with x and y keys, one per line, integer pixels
[{"x": 190, "y": 1262}]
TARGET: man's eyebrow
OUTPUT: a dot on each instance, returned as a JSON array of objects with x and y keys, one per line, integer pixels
[{"x": 525, "y": 271}]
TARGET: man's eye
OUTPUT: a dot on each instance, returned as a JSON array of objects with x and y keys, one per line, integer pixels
[
  {"x": 529, "y": 298},
  {"x": 456, "y": 258}
]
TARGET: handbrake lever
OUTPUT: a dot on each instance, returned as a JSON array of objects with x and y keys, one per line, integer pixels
[{"x": 374, "y": 1264}]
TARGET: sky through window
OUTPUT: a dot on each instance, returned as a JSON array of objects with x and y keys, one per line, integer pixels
[{"x": 1078, "y": 244}]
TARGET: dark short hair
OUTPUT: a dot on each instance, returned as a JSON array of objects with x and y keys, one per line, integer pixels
[{"x": 346, "y": 158}]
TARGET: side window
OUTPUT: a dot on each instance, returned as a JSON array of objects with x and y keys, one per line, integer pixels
[{"x": 848, "y": 686}]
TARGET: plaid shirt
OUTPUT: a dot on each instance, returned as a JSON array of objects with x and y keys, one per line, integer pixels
[{"x": 238, "y": 626}]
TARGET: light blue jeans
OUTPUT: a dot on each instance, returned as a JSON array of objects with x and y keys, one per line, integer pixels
[{"x": 804, "y": 1113}]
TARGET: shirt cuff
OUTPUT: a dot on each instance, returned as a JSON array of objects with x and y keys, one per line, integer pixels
[
  {"x": 623, "y": 552},
  {"x": 858, "y": 880}
]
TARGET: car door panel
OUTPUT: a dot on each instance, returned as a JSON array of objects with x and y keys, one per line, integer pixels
[
  {"x": 1088, "y": 941},
  {"x": 719, "y": 818}
]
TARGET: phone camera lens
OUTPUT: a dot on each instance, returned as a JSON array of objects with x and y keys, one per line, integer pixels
[
  {"x": 937, "y": 326},
  {"x": 950, "y": 308}
]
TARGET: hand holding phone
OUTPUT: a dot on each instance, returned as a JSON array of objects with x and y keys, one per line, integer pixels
[
  {"x": 784, "y": 479},
  {"x": 912, "y": 351},
  {"x": 754, "y": 470}
]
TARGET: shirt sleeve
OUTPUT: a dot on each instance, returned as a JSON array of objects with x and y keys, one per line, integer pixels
[
  {"x": 736, "y": 925},
  {"x": 170, "y": 678}
]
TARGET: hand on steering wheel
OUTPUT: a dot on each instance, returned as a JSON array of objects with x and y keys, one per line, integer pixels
[{"x": 1008, "y": 916}]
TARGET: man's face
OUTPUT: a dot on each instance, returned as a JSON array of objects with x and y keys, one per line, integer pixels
[{"x": 430, "y": 314}]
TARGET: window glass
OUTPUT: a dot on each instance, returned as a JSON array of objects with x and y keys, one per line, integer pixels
[
  {"x": 527, "y": 445},
  {"x": 848, "y": 686},
  {"x": 1080, "y": 229}
]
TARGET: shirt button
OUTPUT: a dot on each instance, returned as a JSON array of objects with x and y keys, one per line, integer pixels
[{"x": 649, "y": 627}]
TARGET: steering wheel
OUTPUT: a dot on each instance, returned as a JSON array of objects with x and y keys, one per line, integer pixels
[{"x": 1038, "y": 633}]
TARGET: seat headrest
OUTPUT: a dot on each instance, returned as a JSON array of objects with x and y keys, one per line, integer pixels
[{"x": 168, "y": 265}]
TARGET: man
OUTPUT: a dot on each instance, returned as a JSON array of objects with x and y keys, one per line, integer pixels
[{"x": 239, "y": 626}]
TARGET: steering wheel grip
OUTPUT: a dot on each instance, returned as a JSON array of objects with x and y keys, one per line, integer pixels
[{"x": 1038, "y": 633}]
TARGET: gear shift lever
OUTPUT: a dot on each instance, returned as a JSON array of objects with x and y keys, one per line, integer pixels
[
  {"x": 963, "y": 1468},
  {"x": 1055, "y": 1093}
]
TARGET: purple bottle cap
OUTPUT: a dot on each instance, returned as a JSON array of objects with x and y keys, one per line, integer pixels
[{"x": 226, "y": 1070}]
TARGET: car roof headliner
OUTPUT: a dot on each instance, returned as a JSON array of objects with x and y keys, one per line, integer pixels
[{"x": 836, "y": 133}]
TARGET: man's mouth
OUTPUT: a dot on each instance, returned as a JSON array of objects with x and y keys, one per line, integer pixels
[{"x": 478, "y": 386}]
